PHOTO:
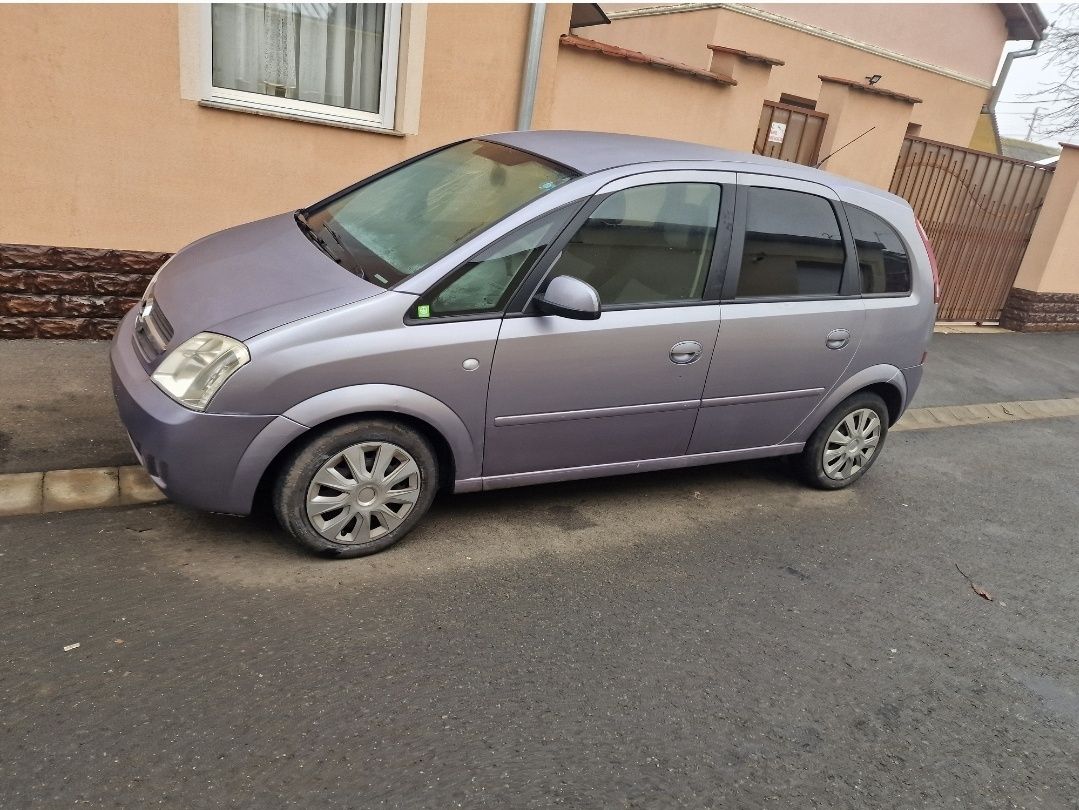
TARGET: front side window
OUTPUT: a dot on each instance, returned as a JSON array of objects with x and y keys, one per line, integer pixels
[
  {"x": 882, "y": 257},
  {"x": 486, "y": 282},
  {"x": 793, "y": 246},
  {"x": 328, "y": 59},
  {"x": 646, "y": 244},
  {"x": 397, "y": 224}
]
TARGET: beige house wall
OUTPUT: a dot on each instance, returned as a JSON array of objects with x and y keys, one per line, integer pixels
[
  {"x": 1045, "y": 296},
  {"x": 682, "y": 37},
  {"x": 601, "y": 93},
  {"x": 100, "y": 150},
  {"x": 923, "y": 31},
  {"x": 105, "y": 147},
  {"x": 952, "y": 81},
  {"x": 1051, "y": 263},
  {"x": 866, "y": 156}
]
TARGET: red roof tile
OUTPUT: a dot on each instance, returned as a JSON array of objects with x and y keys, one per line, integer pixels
[
  {"x": 747, "y": 55},
  {"x": 872, "y": 88},
  {"x": 574, "y": 41}
]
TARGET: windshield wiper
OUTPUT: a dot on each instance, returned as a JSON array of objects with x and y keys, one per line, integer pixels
[
  {"x": 318, "y": 240},
  {"x": 313, "y": 235},
  {"x": 335, "y": 237}
]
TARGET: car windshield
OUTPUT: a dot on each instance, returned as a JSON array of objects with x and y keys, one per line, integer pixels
[{"x": 397, "y": 224}]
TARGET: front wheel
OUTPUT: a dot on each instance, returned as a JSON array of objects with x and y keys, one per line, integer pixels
[
  {"x": 356, "y": 489},
  {"x": 846, "y": 443}
]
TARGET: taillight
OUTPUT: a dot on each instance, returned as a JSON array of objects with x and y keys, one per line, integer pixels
[{"x": 932, "y": 262}]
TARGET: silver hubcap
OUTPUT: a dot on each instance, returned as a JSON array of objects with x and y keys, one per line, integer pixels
[
  {"x": 363, "y": 492},
  {"x": 851, "y": 444}
]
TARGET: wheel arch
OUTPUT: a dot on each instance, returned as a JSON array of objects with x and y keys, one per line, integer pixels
[
  {"x": 443, "y": 452},
  {"x": 453, "y": 443},
  {"x": 886, "y": 381}
]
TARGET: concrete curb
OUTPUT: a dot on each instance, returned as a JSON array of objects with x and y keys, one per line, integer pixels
[
  {"x": 68, "y": 490},
  {"x": 970, "y": 329},
  {"x": 942, "y": 416}
]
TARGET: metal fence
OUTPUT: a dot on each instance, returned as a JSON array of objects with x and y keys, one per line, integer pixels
[
  {"x": 979, "y": 210},
  {"x": 790, "y": 133}
]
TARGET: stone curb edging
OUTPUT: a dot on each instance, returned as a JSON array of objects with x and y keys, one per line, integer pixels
[
  {"x": 68, "y": 490},
  {"x": 988, "y": 413}
]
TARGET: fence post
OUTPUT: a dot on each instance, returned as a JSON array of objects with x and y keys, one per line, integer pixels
[
  {"x": 853, "y": 108},
  {"x": 742, "y": 108},
  {"x": 1045, "y": 297}
]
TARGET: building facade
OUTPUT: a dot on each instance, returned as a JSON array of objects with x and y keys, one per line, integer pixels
[{"x": 131, "y": 130}]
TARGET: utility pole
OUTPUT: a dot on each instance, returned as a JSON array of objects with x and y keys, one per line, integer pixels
[{"x": 1033, "y": 122}]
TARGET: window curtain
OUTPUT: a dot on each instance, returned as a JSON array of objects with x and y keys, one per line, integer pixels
[{"x": 327, "y": 53}]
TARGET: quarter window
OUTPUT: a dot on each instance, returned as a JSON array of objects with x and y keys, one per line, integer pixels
[
  {"x": 335, "y": 61},
  {"x": 882, "y": 257},
  {"x": 646, "y": 244},
  {"x": 793, "y": 246},
  {"x": 486, "y": 282}
]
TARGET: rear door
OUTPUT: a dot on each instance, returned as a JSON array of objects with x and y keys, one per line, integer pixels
[
  {"x": 626, "y": 387},
  {"x": 792, "y": 315}
]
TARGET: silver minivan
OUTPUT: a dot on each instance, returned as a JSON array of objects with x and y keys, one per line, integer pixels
[{"x": 523, "y": 308}]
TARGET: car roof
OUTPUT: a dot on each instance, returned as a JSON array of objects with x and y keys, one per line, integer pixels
[{"x": 591, "y": 152}]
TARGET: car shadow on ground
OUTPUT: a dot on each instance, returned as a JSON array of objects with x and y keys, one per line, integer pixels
[{"x": 477, "y": 530}]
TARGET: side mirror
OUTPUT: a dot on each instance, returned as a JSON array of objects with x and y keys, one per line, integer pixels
[{"x": 569, "y": 297}]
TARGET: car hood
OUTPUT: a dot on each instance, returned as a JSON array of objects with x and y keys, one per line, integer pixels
[{"x": 251, "y": 278}]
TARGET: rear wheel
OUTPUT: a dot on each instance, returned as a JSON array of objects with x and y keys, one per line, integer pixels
[
  {"x": 356, "y": 489},
  {"x": 846, "y": 444}
]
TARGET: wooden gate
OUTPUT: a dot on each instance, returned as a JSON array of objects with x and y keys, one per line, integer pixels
[
  {"x": 790, "y": 133},
  {"x": 979, "y": 210}
]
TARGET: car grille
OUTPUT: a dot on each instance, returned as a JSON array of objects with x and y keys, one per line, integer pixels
[{"x": 152, "y": 331}]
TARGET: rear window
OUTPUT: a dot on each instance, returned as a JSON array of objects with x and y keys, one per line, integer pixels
[
  {"x": 883, "y": 261},
  {"x": 393, "y": 226}
]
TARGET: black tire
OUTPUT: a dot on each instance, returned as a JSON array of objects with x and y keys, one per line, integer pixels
[
  {"x": 297, "y": 474},
  {"x": 810, "y": 464}
]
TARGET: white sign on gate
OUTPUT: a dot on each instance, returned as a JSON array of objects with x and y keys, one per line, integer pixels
[{"x": 776, "y": 132}]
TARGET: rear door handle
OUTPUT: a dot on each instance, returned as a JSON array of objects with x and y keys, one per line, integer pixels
[
  {"x": 837, "y": 338},
  {"x": 685, "y": 352}
]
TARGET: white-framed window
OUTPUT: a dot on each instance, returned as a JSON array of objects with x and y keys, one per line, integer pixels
[{"x": 333, "y": 62}]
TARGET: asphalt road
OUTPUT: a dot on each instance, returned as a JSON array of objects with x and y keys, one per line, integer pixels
[{"x": 717, "y": 637}]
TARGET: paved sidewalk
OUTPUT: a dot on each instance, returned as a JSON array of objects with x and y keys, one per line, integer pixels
[
  {"x": 56, "y": 407},
  {"x": 997, "y": 367},
  {"x": 58, "y": 413}
]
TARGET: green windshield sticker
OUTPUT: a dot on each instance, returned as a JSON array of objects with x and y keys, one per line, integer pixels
[{"x": 423, "y": 311}]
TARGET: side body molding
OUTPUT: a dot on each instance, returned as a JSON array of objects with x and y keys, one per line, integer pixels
[
  {"x": 358, "y": 399},
  {"x": 868, "y": 376}
]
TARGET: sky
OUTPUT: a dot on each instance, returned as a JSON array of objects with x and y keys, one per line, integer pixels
[{"x": 1027, "y": 75}]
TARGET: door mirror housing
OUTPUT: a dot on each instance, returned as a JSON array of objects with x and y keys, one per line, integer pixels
[{"x": 569, "y": 297}]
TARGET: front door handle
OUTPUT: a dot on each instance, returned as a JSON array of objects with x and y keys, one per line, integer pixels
[
  {"x": 837, "y": 338},
  {"x": 685, "y": 352}
]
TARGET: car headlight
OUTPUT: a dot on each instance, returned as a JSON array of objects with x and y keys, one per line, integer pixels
[{"x": 194, "y": 371}]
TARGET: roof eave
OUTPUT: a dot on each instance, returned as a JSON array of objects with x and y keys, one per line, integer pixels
[{"x": 1024, "y": 20}]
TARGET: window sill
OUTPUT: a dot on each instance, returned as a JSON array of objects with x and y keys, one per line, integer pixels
[{"x": 218, "y": 104}]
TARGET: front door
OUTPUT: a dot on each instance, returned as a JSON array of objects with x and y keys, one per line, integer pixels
[
  {"x": 792, "y": 316},
  {"x": 626, "y": 387}
]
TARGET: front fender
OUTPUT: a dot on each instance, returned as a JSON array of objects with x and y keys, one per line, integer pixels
[
  {"x": 359, "y": 399},
  {"x": 870, "y": 376}
]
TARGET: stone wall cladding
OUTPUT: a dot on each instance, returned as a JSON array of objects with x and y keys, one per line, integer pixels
[
  {"x": 67, "y": 292},
  {"x": 1027, "y": 311}
]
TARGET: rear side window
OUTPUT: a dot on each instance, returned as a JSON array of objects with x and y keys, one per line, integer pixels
[
  {"x": 793, "y": 246},
  {"x": 883, "y": 262}
]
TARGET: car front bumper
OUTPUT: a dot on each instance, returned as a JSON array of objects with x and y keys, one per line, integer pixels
[{"x": 197, "y": 459}]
